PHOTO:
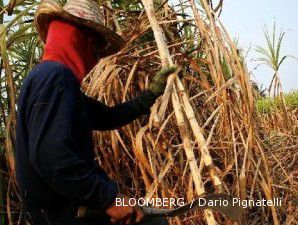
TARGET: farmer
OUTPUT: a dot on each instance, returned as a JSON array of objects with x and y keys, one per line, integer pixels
[{"x": 56, "y": 170}]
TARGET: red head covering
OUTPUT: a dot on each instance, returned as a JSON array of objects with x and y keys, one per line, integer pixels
[{"x": 70, "y": 45}]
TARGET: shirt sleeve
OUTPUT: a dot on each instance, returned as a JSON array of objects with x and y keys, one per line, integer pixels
[
  {"x": 104, "y": 117},
  {"x": 54, "y": 149}
]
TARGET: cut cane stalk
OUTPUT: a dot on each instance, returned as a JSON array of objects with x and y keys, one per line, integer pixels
[
  {"x": 185, "y": 135},
  {"x": 166, "y": 60},
  {"x": 198, "y": 133},
  {"x": 164, "y": 54}
]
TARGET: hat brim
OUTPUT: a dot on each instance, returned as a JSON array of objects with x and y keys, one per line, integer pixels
[{"x": 52, "y": 10}]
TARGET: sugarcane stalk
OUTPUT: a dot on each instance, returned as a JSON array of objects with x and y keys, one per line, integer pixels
[
  {"x": 198, "y": 133},
  {"x": 197, "y": 130},
  {"x": 117, "y": 25},
  {"x": 164, "y": 54},
  {"x": 11, "y": 119},
  {"x": 212, "y": 44},
  {"x": 185, "y": 135},
  {"x": 166, "y": 60}
]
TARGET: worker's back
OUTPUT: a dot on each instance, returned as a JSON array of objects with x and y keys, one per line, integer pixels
[{"x": 40, "y": 137}]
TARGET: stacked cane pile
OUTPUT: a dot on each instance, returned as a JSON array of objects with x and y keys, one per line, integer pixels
[{"x": 203, "y": 134}]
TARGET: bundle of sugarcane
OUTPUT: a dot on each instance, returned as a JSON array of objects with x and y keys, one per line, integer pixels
[{"x": 202, "y": 135}]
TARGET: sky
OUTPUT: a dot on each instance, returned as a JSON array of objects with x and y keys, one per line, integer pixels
[{"x": 244, "y": 20}]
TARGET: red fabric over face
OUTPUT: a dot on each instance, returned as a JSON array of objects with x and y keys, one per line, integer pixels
[{"x": 72, "y": 46}]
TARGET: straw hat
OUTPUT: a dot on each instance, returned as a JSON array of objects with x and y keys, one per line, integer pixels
[{"x": 81, "y": 12}]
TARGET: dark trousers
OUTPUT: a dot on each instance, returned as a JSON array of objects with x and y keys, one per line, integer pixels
[
  {"x": 67, "y": 217},
  {"x": 155, "y": 221}
]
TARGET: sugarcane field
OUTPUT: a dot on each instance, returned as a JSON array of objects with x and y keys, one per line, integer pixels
[{"x": 148, "y": 112}]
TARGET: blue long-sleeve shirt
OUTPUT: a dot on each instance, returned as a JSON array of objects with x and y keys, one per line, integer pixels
[{"x": 54, "y": 149}]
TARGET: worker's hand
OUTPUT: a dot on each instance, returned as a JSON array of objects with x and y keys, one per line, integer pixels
[
  {"x": 159, "y": 82},
  {"x": 124, "y": 214}
]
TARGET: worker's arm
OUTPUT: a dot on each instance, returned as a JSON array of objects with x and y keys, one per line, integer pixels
[
  {"x": 54, "y": 149},
  {"x": 108, "y": 118},
  {"x": 104, "y": 117}
]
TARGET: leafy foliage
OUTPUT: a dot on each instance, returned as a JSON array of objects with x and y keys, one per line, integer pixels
[
  {"x": 271, "y": 55},
  {"x": 270, "y": 105}
]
